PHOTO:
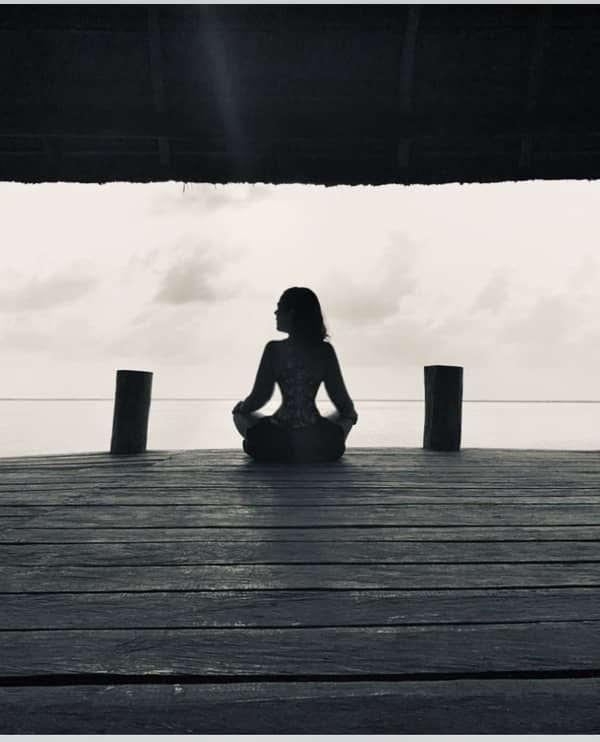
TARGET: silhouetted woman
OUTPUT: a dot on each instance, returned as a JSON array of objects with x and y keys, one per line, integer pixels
[{"x": 297, "y": 432}]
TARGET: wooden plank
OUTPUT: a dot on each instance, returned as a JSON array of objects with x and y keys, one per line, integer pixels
[
  {"x": 467, "y": 481},
  {"x": 534, "y": 73},
  {"x": 158, "y": 84},
  {"x": 546, "y": 471},
  {"x": 406, "y": 79},
  {"x": 506, "y": 706},
  {"x": 158, "y": 534},
  {"x": 508, "y": 464},
  {"x": 296, "y": 608},
  {"x": 74, "y": 462},
  {"x": 232, "y": 458},
  {"x": 432, "y": 480},
  {"x": 382, "y": 515},
  {"x": 137, "y": 486},
  {"x": 394, "y": 461},
  {"x": 398, "y": 650},
  {"x": 387, "y": 459},
  {"x": 369, "y": 477},
  {"x": 89, "y": 456},
  {"x": 352, "y": 459},
  {"x": 298, "y": 577},
  {"x": 238, "y": 495},
  {"x": 289, "y": 552}
]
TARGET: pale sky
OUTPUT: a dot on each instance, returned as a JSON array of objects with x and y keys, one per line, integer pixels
[{"x": 502, "y": 279}]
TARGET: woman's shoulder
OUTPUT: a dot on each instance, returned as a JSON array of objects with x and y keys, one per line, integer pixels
[
  {"x": 328, "y": 349},
  {"x": 273, "y": 346}
]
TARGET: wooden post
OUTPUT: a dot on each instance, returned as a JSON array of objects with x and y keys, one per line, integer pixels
[
  {"x": 443, "y": 407},
  {"x": 132, "y": 408}
]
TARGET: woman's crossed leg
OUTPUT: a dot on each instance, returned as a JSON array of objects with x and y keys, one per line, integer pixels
[
  {"x": 245, "y": 420},
  {"x": 344, "y": 422}
]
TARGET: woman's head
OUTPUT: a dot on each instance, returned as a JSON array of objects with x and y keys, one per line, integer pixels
[{"x": 299, "y": 313}]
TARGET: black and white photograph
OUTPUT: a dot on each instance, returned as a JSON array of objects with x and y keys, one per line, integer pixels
[{"x": 300, "y": 369}]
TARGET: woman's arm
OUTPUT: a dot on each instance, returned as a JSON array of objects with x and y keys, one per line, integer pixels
[
  {"x": 336, "y": 389},
  {"x": 264, "y": 384}
]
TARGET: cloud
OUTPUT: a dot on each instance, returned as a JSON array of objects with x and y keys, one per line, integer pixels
[
  {"x": 551, "y": 320},
  {"x": 375, "y": 297},
  {"x": 357, "y": 304},
  {"x": 187, "y": 281},
  {"x": 194, "y": 277},
  {"x": 45, "y": 293},
  {"x": 403, "y": 342}
]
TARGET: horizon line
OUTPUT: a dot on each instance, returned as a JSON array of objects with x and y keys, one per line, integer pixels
[{"x": 233, "y": 399}]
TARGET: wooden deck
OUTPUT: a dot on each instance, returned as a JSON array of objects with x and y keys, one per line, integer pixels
[{"x": 396, "y": 591}]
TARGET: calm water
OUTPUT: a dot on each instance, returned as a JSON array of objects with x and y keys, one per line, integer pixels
[{"x": 68, "y": 426}]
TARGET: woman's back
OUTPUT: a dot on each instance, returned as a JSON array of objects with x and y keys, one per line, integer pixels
[{"x": 299, "y": 369}]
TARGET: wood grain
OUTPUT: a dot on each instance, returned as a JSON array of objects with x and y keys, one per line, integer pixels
[
  {"x": 298, "y": 577},
  {"x": 510, "y": 706},
  {"x": 238, "y": 608},
  {"x": 289, "y": 552},
  {"x": 237, "y": 516},
  {"x": 340, "y": 534},
  {"x": 398, "y": 650},
  {"x": 257, "y": 496}
]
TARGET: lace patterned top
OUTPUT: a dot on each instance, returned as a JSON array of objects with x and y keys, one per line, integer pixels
[
  {"x": 299, "y": 386},
  {"x": 299, "y": 371}
]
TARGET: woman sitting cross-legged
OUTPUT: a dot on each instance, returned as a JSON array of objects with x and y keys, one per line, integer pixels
[{"x": 297, "y": 432}]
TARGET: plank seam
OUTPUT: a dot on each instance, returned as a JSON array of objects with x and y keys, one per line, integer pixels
[
  {"x": 366, "y": 563},
  {"x": 295, "y": 627},
  {"x": 331, "y": 526},
  {"x": 104, "y": 679},
  {"x": 567, "y": 586},
  {"x": 67, "y": 544}
]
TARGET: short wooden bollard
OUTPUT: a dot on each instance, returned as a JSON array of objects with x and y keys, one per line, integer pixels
[
  {"x": 132, "y": 408},
  {"x": 443, "y": 407}
]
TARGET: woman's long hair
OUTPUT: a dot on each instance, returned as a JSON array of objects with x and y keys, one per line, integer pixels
[{"x": 307, "y": 319}]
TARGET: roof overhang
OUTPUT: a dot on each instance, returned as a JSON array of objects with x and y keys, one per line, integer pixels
[{"x": 342, "y": 94}]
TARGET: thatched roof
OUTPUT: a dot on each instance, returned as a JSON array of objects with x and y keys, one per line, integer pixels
[{"x": 308, "y": 93}]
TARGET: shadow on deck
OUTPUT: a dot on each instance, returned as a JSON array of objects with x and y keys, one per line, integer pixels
[{"x": 396, "y": 591}]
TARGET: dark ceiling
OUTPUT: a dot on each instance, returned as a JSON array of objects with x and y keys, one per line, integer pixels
[{"x": 306, "y": 93}]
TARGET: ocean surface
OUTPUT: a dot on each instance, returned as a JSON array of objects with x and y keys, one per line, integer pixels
[{"x": 30, "y": 427}]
